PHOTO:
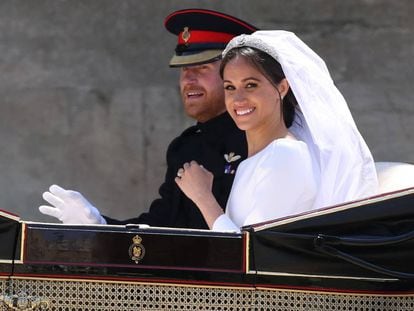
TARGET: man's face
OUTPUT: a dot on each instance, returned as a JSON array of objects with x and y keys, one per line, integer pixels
[{"x": 202, "y": 91}]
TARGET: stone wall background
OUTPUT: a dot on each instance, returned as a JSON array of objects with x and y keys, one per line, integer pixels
[{"x": 87, "y": 100}]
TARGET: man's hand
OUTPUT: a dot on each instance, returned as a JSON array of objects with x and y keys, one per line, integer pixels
[{"x": 70, "y": 207}]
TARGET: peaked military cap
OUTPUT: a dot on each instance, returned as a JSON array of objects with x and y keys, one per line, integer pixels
[{"x": 202, "y": 35}]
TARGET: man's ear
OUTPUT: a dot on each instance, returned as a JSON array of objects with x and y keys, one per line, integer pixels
[{"x": 283, "y": 87}]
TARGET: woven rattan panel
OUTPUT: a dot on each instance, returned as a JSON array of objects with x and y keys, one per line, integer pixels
[{"x": 86, "y": 295}]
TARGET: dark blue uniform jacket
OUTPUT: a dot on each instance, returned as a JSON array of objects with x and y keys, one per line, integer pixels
[{"x": 207, "y": 143}]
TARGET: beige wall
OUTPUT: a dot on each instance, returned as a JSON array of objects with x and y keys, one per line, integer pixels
[{"x": 87, "y": 99}]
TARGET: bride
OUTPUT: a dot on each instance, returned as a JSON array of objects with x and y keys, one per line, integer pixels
[{"x": 304, "y": 149}]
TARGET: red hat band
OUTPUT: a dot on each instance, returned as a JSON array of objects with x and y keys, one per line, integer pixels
[{"x": 188, "y": 36}]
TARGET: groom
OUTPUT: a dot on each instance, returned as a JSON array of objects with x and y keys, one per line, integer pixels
[{"x": 214, "y": 141}]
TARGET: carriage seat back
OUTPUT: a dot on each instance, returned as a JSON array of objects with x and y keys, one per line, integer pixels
[{"x": 393, "y": 176}]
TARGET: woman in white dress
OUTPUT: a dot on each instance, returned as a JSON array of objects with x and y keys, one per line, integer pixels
[{"x": 304, "y": 150}]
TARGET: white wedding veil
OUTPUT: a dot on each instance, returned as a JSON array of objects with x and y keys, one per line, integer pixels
[{"x": 341, "y": 157}]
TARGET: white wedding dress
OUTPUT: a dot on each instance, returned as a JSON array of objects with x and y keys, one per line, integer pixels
[{"x": 277, "y": 181}]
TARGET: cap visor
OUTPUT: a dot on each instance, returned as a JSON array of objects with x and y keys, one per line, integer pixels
[{"x": 195, "y": 59}]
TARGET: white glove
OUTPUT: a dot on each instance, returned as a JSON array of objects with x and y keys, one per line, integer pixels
[{"x": 70, "y": 207}]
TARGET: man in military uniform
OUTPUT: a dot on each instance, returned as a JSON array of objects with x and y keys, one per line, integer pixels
[{"x": 214, "y": 142}]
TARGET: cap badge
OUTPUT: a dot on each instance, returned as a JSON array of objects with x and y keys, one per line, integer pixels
[{"x": 186, "y": 35}]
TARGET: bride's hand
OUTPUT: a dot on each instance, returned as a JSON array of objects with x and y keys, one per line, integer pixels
[{"x": 195, "y": 181}]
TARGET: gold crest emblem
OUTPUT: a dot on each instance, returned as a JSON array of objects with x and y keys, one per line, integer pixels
[
  {"x": 186, "y": 34},
  {"x": 136, "y": 250}
]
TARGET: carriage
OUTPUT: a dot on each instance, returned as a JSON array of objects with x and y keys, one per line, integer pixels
[{"x": 353, "y": 256}]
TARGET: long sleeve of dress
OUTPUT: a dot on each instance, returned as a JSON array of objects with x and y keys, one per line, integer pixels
[{"x": 224, "y": 223}]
